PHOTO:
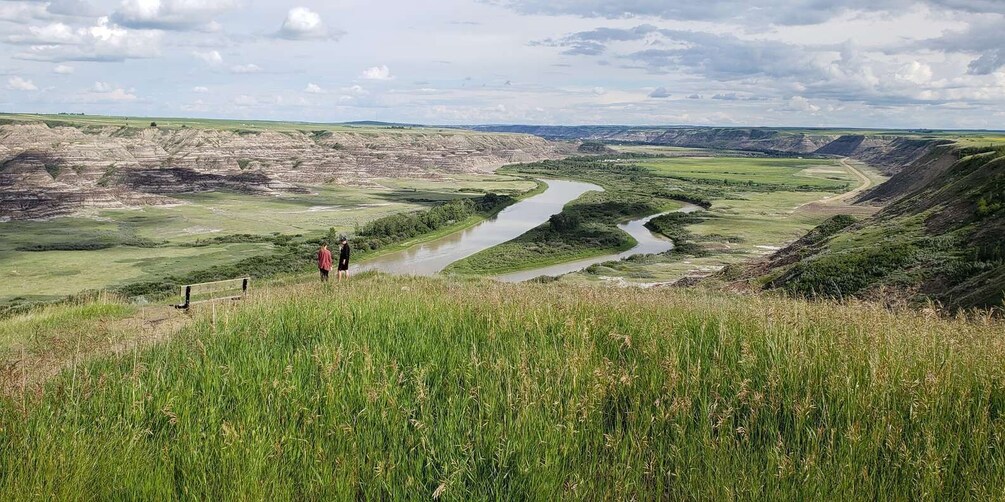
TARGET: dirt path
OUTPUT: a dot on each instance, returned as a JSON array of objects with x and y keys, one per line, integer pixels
[
  {"x": 866, "y": 184},
  {"x": 840, "y": 203}
]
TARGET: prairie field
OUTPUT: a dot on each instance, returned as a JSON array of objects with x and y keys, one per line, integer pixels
[
  {"x": 390, "y": 387},
  {"x": 43, "y": 260}
]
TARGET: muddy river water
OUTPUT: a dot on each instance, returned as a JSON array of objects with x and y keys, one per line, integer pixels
[{"x": 432, "y": 257}]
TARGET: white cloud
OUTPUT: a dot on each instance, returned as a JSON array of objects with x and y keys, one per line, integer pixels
[
  {"x": 302, "y": 23},
  {"x": 200, "y": 89},
  {"x": 52, "y": 33},
  {"x": 660, "y": 92},
  {"x": 21, "y": 12},
  {"x": 245, "y": 68},
  {"x": 104, "y": 41},
  {"x": 357, "y": 90},
  {"x": 916, "y": 72},
  {"x": 181, "y": 15},
  {"x": 20, "y": 84},
  {"x": 63, "y": 69},
  {"x": 209, "y": 57},
  {"x": 801, "y": 104},
  {"x": 313, "y": 89},
  {"x": 381, "y": 72},
  {"x": 104, "y": 92}
]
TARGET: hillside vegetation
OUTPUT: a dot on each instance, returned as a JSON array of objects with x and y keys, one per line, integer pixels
[
  {"x": 391, "y": 388},
  {"x": 941, "y": 238},
  {"x": 637, "y": 185}
]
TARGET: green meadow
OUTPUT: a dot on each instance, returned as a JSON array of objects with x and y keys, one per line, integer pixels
[
  {"x": 783, "y": 172},
  {"x": 43, "y": 260},
  {"x": 755, "y": 205},
  {"x": 413, "y": 388}
]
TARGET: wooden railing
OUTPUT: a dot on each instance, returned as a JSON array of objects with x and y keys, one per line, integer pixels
[{"x": 203, "y": 292}]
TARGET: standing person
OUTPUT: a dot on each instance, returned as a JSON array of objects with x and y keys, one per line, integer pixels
[
  {"x": 324, "y": 261},
  {"x": 343, "y": 259}
]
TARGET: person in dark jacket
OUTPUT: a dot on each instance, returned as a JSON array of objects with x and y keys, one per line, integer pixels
[
  {"x": 324, "y": 261},
  {"x": 343, "y": 260}
]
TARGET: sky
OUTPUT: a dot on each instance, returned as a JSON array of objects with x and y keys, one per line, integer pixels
[{"x": 820, "y": 63}]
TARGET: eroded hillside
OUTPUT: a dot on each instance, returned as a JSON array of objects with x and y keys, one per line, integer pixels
[
  {"x": 51, "y": 169},
  {"x": 889, "y": 152},
  {"x": 942, "y": 238}
]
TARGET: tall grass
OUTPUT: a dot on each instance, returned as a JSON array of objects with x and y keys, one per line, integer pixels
[{"x": 418, "y": 388}]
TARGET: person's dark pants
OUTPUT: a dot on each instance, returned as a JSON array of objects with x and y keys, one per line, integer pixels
[{"x": 324, "y": 275}]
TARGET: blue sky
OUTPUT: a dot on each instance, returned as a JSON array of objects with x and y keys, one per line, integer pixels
[{"x": 861, "y": 63}]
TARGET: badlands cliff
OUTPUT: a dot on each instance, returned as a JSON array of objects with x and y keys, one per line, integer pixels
[{"x": 51, "y": 169}]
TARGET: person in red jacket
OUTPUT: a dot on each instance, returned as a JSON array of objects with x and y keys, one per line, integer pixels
[{"x": 324, "y": 261}]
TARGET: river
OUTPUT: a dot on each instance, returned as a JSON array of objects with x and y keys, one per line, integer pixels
[
  {"x": 432, "y": 257},
  {"x": 649, "y": 243}
]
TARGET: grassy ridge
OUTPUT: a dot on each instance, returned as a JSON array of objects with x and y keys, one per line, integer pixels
[
  {"x": 939, "y": 240},
  {"x": 411, "y": 388}
]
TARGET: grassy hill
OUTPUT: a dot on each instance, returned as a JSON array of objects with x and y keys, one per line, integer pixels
[
  {"x": 417, "y": 388},
  {"x": 940, "y": 238}
]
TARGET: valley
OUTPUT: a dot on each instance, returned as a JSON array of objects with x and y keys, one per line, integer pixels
[{"x": 800, "y": 320}]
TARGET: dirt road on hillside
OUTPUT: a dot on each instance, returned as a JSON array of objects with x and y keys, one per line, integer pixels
[{"x": 840, "y": 203}]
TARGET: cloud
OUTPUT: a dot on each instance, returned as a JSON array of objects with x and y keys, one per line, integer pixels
[
  {"x": 801, "y": 104},
  {"x": 200, "y": 89},
  {"x": 594, "y": 42},
  {"x": 53, "y": 33},
  {"x": 63, "y": 69},
  {"x": 725, "y": 57},
  {"x": 104, "y": 92},
  {"x": 915, "y": 72},
  {"x": 713, "y": 55},
  {"x": 245, "y": 68},
  {"x": 771, "y": 68},
  {"x": 732, "y": 96},
  {"x": 659, "y": 92},
  {"x": 356, "y": 90},
  {"x": 173, "y": 15},
  {"x": 989, "y": 62},
  {"x": 75, "y": 8},
  {"x": 777, "y": 12},
  {"x": 104, "y": 41},
  {"x": 22, "y": 12},
  {"x": 982, "y": 36},
  {"x": 313, "y": 89},
  {"x": 694, "y": 96},
  {"x": 381, "y": 72},
  {"x": 209, "y": 57},
  {"x": 20, "y": 84},
  {"x": 302, "y": 23}
]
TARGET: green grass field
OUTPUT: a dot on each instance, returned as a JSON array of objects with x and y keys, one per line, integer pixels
[
  {"x": 391, "y": 388},
  {"x": 151, "y": 242},
  {"x": 757, "y": 205},
  {"x": 784, "y": 172},
  {"x": 101, "y": 121}
]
